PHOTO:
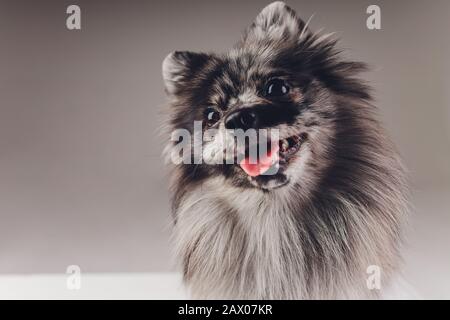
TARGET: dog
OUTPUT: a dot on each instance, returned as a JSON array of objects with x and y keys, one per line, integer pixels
[{"x": 337, "y": 203}]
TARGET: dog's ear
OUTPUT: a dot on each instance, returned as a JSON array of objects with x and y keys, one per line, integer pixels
[
  {"x": 276, "y": 21},
  {"x": 179, "y": 67}
]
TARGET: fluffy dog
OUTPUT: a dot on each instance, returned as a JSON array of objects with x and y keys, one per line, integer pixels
[{"x": 338, "y": 199}]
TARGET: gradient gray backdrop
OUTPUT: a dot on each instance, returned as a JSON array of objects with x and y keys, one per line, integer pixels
[{"x": 81, "y": 177}]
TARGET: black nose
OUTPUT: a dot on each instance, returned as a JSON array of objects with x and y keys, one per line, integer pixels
[{"x": 242, "y": 119}]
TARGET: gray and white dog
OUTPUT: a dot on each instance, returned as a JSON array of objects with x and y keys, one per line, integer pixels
[{"x": 337, "y": 203}]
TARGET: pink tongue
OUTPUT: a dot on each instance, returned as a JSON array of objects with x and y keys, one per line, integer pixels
[{"x": 262, "y": 164}]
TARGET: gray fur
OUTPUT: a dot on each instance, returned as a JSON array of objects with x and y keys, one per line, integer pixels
[{"x": 346, "y": 201}]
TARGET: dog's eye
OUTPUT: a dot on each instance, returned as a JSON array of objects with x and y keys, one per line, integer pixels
[
  {"x": 211, "y": 116},
  {"x": 276, "y": 88}
]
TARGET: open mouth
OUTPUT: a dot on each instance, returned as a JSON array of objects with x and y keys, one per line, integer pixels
[
  {"x": 275, "y": 159},
  {"x": 289, "y": 146}
]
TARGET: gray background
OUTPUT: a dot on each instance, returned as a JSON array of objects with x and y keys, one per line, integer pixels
[{"x": 81, "y": 177}]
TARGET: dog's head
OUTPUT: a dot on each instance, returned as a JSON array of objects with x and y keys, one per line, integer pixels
[{"x": 280, "y": 77}]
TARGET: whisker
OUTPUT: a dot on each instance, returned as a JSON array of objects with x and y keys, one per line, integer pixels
[{"x": 306, "y": 26}]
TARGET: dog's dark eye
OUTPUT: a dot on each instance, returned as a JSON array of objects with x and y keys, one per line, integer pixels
[
  {"x": 276, "y": 88},
  {"x": 211, "y": 116}
]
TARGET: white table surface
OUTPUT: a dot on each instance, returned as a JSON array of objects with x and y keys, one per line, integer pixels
[{"x": 93, "y": 286}]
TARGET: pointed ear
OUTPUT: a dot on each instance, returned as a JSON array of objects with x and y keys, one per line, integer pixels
[
  {"x": 276, "y": 21},
  {"x": 179, "y": 67}
]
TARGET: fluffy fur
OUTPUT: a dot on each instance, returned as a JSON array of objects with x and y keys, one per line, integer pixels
[{"x": 337, "y": 207}]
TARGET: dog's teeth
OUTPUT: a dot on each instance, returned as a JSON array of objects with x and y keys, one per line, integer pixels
[{"x": 284, "y": 145}]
